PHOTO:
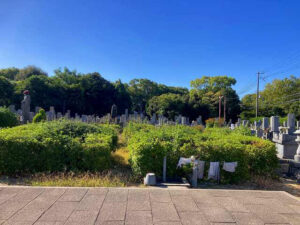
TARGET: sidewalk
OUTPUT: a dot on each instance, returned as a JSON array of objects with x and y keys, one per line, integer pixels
[{"x": 139, "y": 206}]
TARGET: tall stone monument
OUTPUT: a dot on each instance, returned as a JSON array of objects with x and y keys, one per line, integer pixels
[
  {"x": 114, "y": 111},
  {"x": 25, "y": 106}
]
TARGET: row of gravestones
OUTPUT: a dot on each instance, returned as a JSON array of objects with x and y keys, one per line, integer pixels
[
  {"x": 283, "y": 136},
  {"x": 25, "y": 115}
]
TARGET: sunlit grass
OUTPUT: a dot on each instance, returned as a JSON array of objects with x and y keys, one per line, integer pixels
[
  {"x": 121, "y": 155},
  {"x": 108, "y": 179}
]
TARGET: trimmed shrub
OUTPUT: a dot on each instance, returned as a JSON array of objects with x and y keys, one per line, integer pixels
[
  {"x": 56, "y": 146},
  {"x": 148, "y": 147},
  {"x": 40, "y": 116},
  {"x": 7, "y": 118}
]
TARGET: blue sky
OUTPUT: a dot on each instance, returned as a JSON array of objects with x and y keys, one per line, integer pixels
[{"x": 170, "y": 42}]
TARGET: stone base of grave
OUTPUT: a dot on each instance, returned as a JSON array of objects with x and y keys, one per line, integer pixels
[
  {"x": 287, "y": 150},
  {"x": 297, "y": 158}
]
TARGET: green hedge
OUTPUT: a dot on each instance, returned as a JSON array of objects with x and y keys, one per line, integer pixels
[
  {"x": 7, "y": 118},
  {"x": 149, "y": 146},
  {"x": 56, "y": 146}
]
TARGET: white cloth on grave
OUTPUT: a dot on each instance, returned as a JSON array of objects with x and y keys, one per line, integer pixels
[
  {"x": 230, "y": 166},
  {"x": 184, "y": 161},
  {"x": 200, "y": 169},
  {"x": 214, "y": 171}
]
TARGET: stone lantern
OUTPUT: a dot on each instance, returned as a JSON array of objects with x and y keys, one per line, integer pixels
[{"x": 297, "y": 156}]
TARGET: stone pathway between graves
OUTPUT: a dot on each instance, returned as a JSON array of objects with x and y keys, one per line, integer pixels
[{"x": 149, "y": 206}]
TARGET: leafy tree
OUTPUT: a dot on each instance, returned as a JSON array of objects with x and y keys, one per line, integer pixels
[
  {"x": 29, "y": 71},
  {"x": 141, "y": 91},
  {"x": 206, "y": 91},
  {"x": 278, "y": 98},
  {"x": 98, "y": 93},
  {"x": 9, "y": 73},
  {"x": 122, "y": 97},
  {"x": 168, "y": 105},
  {"x": 6, "y": 91}
]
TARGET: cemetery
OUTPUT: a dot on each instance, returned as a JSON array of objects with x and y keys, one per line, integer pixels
[
  {"x": 59, "y": 142},
  {"x": 149, "y": 112}
]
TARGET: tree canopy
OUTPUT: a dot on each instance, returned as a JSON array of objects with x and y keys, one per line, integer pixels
[{"x": 90, "y": 93}]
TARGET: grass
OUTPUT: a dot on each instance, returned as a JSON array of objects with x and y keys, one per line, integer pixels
[
  {"x": 121, "y": 155},
  {"x": 79, "y": 180},
  {"x": 111, "y": 178}
]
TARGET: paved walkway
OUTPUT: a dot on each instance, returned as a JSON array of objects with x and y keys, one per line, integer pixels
[{"x": 120, "y": 206}]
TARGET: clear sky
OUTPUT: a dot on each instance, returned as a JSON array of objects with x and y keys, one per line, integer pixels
[{"x": 170, "y": 42}]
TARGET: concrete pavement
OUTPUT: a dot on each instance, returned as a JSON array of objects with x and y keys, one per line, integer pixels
[{"x": 145, "y": 206}]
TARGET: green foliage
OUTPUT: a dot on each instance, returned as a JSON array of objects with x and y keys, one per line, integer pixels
[
  {"x": 56, "y": 146},
  {"x": 207, "y": 90},
  {"x": 279, "y": 97},
  {"x": 142, "y": 90},
  {"x": 13, "y": 73},
  {"x": 7, "y": 118},
  {"x": 6, "y": 91},
  {"x": 40, "y": 116},
  {"x": 169, "y": 105},
  {"x": 148, "y": 146}
]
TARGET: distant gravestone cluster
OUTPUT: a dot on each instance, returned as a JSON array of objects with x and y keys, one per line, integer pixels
[{"x": 25, "y": 115}]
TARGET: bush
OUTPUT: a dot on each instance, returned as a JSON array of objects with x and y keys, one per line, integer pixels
[
  {"x": 40, "y": 116},
  {"x": 7, "y": 118},
  {"x": 56, "y": 146},
  {"x": 148, "y": 147}
]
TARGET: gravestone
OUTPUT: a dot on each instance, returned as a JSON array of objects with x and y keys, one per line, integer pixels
[
  {"x": 126, "y": 113},
  {"x": 239, "y": 122},
  {"x": 31, "y": 115},
  {"x": 12, "y": 108},
  {"x": 25, "y": 106},
  {"x": 183, "y": 120},
  {"x": 153, "y": 119},
  {"x": 114, "y": 111},
  {"x": 199, "y": 120},
  {"x": 84, "y": 118},
  {"x": 68, "y": 114},
  {"x": 274, "y": 122},
  {"x": 297, "y": 155},
  {"x": 59, "y": 115},
  {"x": 37, "y": 109},
  {"x": 265, "y": 123},
  {"x": 291, "y": 123}
]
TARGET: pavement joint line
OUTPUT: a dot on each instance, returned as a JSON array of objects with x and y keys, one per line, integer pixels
[
  {"x": 150, "y": 206},
  {"x": 126, "y": 206},
  {"x": 174, "y": 206},
  {"x": 49, "y": 207},
  {"x": 101, "y": 206},
  {"x": 26, "y": 204}
]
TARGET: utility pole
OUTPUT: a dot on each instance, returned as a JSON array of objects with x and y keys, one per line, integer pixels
[
  {"x": 224, "y": 109},
  {"x": 257, "y": 92},
  {"x": 220, "y": 104}
]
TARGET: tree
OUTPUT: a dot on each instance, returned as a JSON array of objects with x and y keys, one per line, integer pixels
[
  {"x": 169, "y": 105},
  {"x": 206, "y": 91},
  {"x": 29, "y": 71},
  {"x": 9, "y": 73},
  {"x": 279, "y": 97},
  {"x": 122, "y": 97},
  {"x": 6, "y": 91}
]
